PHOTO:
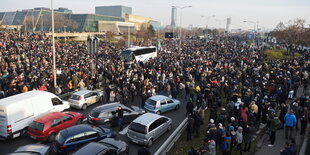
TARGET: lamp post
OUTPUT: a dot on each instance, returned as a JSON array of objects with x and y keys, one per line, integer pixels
[
  {"x": 206, "y": 33},
  {"x": 254, "y": 33},
  {"x": 53, "y": 40},
  {"x": 180, "y": 31}
]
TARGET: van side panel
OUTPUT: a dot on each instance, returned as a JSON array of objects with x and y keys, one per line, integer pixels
[
  {"x": 20, "y": 115},
  {"x": 3, "y": 121}
]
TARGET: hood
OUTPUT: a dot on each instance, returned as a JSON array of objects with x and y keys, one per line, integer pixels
[{"x": 138, "y": 109}]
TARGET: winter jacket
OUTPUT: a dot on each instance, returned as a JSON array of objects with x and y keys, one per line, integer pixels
[
  {"x": 239, "y": 137},
  {"x": 274, "y": 124},
  {"x": 290, "y": 119}
]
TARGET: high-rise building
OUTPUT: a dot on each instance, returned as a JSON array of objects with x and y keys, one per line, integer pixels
[
  {"x": 115, "y": 11},
  {"x": 228, "y": 22},
  {"x": 173, "y": 17}
]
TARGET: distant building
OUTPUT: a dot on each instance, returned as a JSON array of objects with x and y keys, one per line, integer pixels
[
  {"x": 228, "y": 22},
  {"x": 115, "y": 11},
  {"x": 173, "y": 17},
  {"x": 63, "y": 10}
]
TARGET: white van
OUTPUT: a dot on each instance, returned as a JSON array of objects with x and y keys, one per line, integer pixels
[{"x": 18, "y": 111}]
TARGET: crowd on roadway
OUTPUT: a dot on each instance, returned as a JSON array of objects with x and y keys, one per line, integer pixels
[{"x": 229, "y": 77}]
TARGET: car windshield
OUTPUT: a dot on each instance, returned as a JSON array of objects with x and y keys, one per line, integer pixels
[
  {"x": 37, "y": 126},
  {"x": 137, "y": 127},
  {"x": 60, "y": 139},
  {"x": 109, "y": 145},
  {"x": 74, "y": 97},
  {"x": 94, "y": 114},
  {"x": 150, "y": 101}
]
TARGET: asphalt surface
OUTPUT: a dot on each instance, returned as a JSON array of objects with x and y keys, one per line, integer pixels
[
  {"x": 280, "y": 136},
  {"x": 176, "y": 116}
]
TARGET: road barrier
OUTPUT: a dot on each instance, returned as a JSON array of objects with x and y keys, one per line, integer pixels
[{"x": 172, "y": 139}]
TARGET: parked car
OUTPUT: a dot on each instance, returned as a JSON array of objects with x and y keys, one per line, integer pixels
[
  {"x": 33, "y": 149},
  {"x": 159, "y": 104},
  {"x": 106, "y": 114},
  {"x": 107, "y": 146},
  {"x": 148, "y": 127},
  {"x": 18, "y": 111},
  {"x": 83, "y": 98},
  {"x": 76, "y": 136},
  {"x": 46, "y": 127}
]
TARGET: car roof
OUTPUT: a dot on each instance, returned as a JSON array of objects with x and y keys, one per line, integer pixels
[
  {"x": 114, "y": 142},
  {"x": 158, "y": 97},
  {"x": 107, "y": 107},
  {"x": 74, "y": 130},
  {"x": 33, "y": 147},
  {"x": 147, "y": 118},
  {"x": 92, "y": 147},
  {"x": 49, "y": 117},
  {"x": 82, "y": 92}
]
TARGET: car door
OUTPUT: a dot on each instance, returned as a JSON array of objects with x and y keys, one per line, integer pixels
[
  {"x": 128, "y": 115},
  {"x": 163, "y": 105},
  {"x": 94, "y": 97},
  {"x": 67, "y": 121},
  {"x": 56, "y": 125},
  {"x": 170, "y": 104},
  {"x": 161, "y": 128},
  {"x": 87, "y": 98},
  {"x": 77, "y": 141}
]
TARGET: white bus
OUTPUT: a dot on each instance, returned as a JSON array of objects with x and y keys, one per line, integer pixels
[{"x": 140, "y": 54}]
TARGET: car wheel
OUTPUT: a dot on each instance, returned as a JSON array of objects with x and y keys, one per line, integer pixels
[
  {"x": 107, "y": 124},
  {"x": 84, "y": 106},
  {"x": 177, "y": 107},
  {"x": 79, "y": 122},
  {"x": 51, "y": 138},
  {"x": 169, "y": 127},
  {"x": 150, "y": 143},
  {"x": 23, "y": 133},
  {"x": 158, "y": 112}
]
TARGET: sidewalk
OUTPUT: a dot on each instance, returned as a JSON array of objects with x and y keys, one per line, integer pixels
[{"x": 263, "y": 148}]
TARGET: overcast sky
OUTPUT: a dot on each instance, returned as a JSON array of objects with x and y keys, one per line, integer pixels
[{"x": 268, "y": 13}]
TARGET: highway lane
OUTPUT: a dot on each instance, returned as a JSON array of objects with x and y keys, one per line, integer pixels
[{"x": 177, "y": 117}]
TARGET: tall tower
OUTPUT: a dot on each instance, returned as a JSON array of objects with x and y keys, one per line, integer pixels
[
  {"x": 228, "y": 22},
  {"x": 173, "y": 17}
]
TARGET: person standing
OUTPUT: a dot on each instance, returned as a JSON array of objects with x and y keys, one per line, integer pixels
[
  {"x": 239, "y": 139},
  {"x": 120, "y": 113},
  {"x": 282, "y": 114},
  {"x": 304, "y": 117},
  {"x": 274, "y": 125},
  {"x": 290, "y": 122}
]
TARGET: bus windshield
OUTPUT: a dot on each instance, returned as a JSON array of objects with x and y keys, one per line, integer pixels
[{"x": 126, "y": 55}]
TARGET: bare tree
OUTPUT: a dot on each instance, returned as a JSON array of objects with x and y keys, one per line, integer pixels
[{"x": 293, "y": 34}]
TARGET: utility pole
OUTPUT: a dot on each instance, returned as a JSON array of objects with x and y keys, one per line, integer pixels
[{"x": 54, "y": 50}]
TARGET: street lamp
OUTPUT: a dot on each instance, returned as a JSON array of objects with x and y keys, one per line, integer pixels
[
  {"x": 53, "y": 40},
  {"x": 206, "y": 33},
  {"x": 255, "y": 25},
  {"x": 180, "y": 31}
]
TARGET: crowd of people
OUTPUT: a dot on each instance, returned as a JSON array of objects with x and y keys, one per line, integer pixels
[{"x": 226, "y": 75}]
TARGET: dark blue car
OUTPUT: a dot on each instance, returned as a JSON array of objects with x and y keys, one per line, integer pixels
[{"x": 75, "y": 137}]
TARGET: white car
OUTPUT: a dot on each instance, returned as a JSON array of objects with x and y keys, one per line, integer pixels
[{"x": 83, "y": 98}]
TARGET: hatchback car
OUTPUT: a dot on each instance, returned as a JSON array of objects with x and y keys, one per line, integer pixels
[
  {"x": 159, "y": 104},
  {"x": 83, "y": 98},
  {"x": 106, "y": 114},
  {"x": 74, "y": 137},
  {"x": 148, "y": 127},
  {"x": 107, "y": 146},
  {"x": 46, "y": 127},
  {"x": 31, "y": 149}
]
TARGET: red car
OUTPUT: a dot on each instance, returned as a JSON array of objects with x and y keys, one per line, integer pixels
[{"x": 46, "y": 127}]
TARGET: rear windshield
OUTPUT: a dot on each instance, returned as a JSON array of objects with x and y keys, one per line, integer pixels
[
  {"x": 151, "y": 102},
  {"x": 37, "y": 126},
  {"x": 60, "y": 139},
  {"x": 94, "y": 114},
  {"x": 137, "y": 127},
  {"x": 74, "y": 97}
]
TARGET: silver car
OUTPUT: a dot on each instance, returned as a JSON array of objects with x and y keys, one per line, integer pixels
[
  {"x": 148, "y": 127},
  {"x": 83, "y": 98},
  {"x": 31, "y": 149}
]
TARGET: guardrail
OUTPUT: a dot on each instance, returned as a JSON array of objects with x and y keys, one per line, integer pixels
[{"x": 172, "y": 138}]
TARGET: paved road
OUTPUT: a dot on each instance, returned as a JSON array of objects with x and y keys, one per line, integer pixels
[
  {"x": 280, "y": 137},
  {"x": 177, "y": 117}
]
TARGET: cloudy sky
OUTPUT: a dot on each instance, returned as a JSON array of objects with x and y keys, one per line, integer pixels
[{"x": 268, "y": 13}]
